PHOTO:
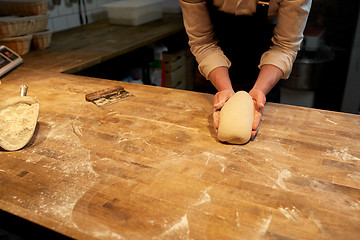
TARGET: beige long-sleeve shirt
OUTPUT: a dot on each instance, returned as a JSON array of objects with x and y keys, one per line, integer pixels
[{"x": 288, "y": 33}]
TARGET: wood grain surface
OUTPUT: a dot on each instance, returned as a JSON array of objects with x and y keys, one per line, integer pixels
[{"x": 150, "y": 167}]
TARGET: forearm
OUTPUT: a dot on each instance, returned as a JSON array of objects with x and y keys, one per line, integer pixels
[
  {"x": 220, "y": 79},
  {"x": 268, "y": 77}
]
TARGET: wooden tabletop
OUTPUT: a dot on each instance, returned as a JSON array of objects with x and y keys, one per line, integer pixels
[{"x": 151, "y": 167}]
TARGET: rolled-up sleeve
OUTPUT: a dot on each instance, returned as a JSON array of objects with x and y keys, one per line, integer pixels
[
  {"x": 202, "y": 41},
  {"x": 288, "y": 34}
]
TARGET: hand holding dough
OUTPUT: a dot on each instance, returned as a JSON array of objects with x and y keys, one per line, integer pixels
[{"x": 236, "y": 118}]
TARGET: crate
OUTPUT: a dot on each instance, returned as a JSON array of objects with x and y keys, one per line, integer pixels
[
  {"x": 179, "y": 69},
  {"x": 174, "y": 68},
  {"x": 174, "y": 61},
  {"x": 176, "y": 78}
]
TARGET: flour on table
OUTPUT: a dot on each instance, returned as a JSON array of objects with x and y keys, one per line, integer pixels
[
  {"x": 292, "y": 214},
  {"x": 284, "y": 174},
  {"x": 205, "y": 198},
  {"x": 180, "y": 229},
  {"x": 17, "y": 123},
  {"x": 264, "y": 226},
  {"x": 342, "y": 154}
]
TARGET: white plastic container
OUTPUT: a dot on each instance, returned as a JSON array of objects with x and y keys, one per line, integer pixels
[
  {"x": 171, "y": 6},
  {"x": 134, "y": 12}
]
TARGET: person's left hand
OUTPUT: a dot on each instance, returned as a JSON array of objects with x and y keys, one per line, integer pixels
[
  {"x": 220, "y": 99},
  {"x": 259, "y": 99}
]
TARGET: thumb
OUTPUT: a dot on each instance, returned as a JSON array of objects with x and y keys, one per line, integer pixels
[
  {"x": 258, "y": 97},
  {"x": 260, "y": 104},
  {"x": 219, "y": 104},
  {"x": 221, "y": 97}
]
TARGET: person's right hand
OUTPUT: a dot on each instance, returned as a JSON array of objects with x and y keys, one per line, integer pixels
[{"x": 220, "y": 99}]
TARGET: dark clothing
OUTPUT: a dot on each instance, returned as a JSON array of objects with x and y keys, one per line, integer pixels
[{"x": 244, "y": 52}]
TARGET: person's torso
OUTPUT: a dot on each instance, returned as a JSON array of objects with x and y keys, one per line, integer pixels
[
  {"x": 245, "y": 7},
  {"x": 243, "y": 39}
]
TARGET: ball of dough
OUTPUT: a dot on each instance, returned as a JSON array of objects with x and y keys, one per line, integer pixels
[{"x": 236, "y": 118}]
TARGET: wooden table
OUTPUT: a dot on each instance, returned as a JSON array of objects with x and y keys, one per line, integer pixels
[
  {"x": 79, "y": 48},
  {"x": 151, "y": 167}
]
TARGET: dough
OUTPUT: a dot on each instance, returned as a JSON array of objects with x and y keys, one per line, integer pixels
[{"x": 236, "y": 118}]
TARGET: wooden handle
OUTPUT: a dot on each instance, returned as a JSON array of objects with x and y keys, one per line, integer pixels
[{"x": 101, "y": 93}]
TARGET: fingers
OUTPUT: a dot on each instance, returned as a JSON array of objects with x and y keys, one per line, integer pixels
[
  {"x": 260, "y": 105},
  {"x": 256, "y": 123},
  {"x": 221, "y": 97},
  {"x": 219, "y": 104},
  {"x": 253, "y": 135},
  {"x": 257, "y": 120},
  {"x": 216, "y": 117},
  {"x": 259, "y": 99}
]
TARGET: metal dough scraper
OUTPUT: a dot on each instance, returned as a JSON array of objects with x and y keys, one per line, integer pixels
[{"x": 108, "y": 96}]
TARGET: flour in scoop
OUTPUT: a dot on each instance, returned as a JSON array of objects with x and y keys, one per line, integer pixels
[{"x": 17, "y": 124}]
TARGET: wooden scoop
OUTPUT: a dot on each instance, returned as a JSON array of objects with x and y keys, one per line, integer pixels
[{"x": 18, "y": 119}]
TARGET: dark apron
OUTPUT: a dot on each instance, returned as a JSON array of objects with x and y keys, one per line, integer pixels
[{"x": 243, "y": 40}]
